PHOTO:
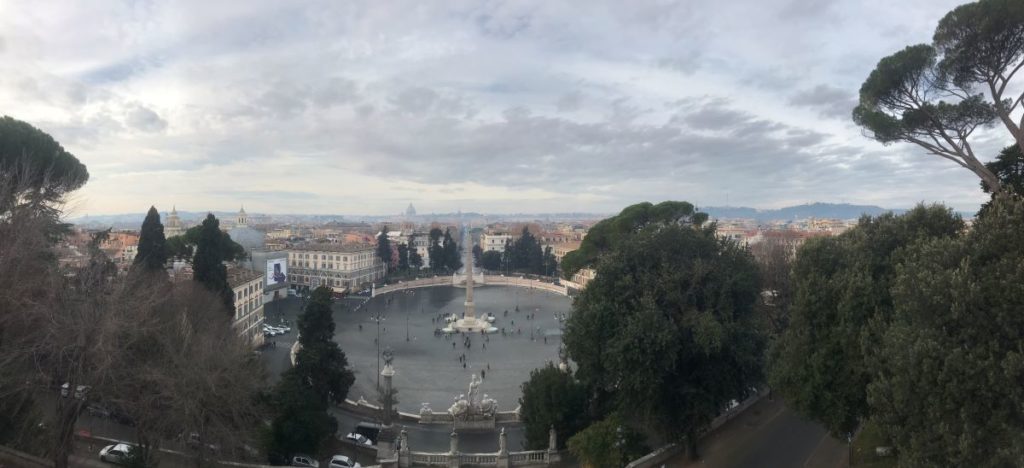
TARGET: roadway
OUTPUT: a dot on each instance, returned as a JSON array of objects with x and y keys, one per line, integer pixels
[{"x": 768, "y": 435}]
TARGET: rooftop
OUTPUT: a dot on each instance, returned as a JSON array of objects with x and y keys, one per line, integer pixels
[
  {"x": 240, "y": 276},
  {"x": 333, "y": 247}
]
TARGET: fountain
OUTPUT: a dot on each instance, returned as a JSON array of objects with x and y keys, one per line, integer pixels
[{"x": 469, "y": 323}]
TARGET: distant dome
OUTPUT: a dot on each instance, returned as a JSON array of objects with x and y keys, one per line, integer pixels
[{"x": 247, "y": 237}]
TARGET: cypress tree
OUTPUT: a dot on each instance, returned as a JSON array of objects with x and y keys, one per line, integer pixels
[
  {"x": 152, "y": 250},
  {"x": 384, "y": 248},
  {"x": 208, "y": 264}
]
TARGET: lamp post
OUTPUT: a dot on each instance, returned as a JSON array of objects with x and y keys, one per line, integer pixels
[{"x": 378, "y": 319}]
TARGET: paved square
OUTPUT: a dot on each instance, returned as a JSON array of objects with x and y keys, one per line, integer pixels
[{"x": 427, "y": 367}]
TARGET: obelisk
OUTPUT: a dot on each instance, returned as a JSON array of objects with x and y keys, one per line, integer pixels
[{"x": 470, "y": 312}]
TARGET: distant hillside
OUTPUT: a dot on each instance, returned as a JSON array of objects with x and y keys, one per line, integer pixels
[{"x": 813, "y": 210}]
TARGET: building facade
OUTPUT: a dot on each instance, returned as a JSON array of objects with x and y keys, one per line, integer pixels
[
  {"x": 342, "y": 267},
  {"x": 248, "y": 288},
  {"x": 494, "y": 242}
]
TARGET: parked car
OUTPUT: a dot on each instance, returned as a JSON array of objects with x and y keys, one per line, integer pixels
[
  {"x": 118, "y": 453},
  {"x": 80, "y": 390},
  {"x": 359, "y": 439},
  {"x": 305, "y": 460},
  {"x": 341, "y": 461},
  {"x": 292, "y": 292}
]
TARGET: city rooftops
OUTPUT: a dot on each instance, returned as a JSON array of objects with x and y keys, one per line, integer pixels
[
  {"x": 239, "y": 276},
  {"x": 348, "y": 248}
]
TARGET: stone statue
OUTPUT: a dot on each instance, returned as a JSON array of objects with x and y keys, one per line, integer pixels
[
  {"x": 388, "y": 356},
  {"x": 473, "y": 408},
  {"x": 474, "y": 383},
  {"x": 425, "y": 409}
]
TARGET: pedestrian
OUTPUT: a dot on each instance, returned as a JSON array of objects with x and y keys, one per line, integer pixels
[
  {"x": 483, "y": 374},
  {"x": 453, "y": 345},
  {"x": 545, "y": 340},
  {"x": 489, "y": 367},
  {"x": 485, "y": 345},
  {"x": 463, "y": 365}
]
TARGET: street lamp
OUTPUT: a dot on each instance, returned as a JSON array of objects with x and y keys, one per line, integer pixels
[{"x": 378, "y": 319}]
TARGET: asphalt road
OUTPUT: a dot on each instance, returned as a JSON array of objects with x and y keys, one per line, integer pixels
[{"x": 768, "y": 435}]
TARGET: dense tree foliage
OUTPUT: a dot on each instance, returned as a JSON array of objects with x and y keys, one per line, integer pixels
[
  {"x": 36, "y": 169},
  {"x": 208, "y": 263},
  {"x": 301, "y": 423},
  {"x": 415, "y": 259},
  {"x": 842, "y": 302},
  {"x": 947, "y": 378},
  {"x": 183, "y": 247},
  {"x": 666, "y": 332},
  {"x": 927, "y": 94},
  {"x": 609, "y": 443},
  {"x": 403, "y": 257},
  {"x": 321, "y": 377},
  {"x": 152, "y": 248},
  {"x": 320, "y": 362},
  {"x": 552, "y": 398},
  {"x": 605, "y": 235},
  {"x": 452, "y": 253},
  {"x": 435, "y": 252},
  {"x": 384, "y": 247},
  {"x": 491, "y": 260},
  {"x": 527, "y": 255}
]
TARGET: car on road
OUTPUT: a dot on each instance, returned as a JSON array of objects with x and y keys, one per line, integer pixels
[
  {"x": 359, "y": 439},
  {"x": 118, "y": 454},
  {"x": 305, "y": 460},
  {"x": 80, "y": 390},
  {"x": 341, "y": 461}
]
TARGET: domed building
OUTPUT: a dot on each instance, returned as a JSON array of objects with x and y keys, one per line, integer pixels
[
  {"x": 173, "y": 226},
  {"x": 249, "y": 238}
]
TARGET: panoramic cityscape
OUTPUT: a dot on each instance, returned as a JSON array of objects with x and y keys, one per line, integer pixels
[{"x": 781, "y": 233}]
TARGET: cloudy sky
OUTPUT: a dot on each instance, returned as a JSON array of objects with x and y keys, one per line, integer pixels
[{"x": 494, "y": 106}]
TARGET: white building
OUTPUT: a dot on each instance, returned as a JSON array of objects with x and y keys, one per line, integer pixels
[
  {"x": 340, "y": 266},
  {"x": 494, "y": 242},
  {"x": 173, "y": 225},
  {"x": 248, "y": 288}
]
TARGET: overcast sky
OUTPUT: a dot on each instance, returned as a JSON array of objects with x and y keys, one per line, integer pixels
[{"x": 521, "y": 106}]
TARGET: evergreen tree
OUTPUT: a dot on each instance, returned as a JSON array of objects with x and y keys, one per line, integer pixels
[
  {"x": 842, "y": 302},
  {"x": 552, "y": 398},
  {"x": 152, "y": 249},
  {"x": 384, "y": 247},
  {"x": 666, "y": 333},
  {"x": 403, "y": 257},
  {"x": 320, "y": 361},
  {"x": 946, "y": 388},
  {"x": 415, "y": 259},
  {"x": 450, "y": 252},
  {"x": 208, "y": 263},
  {"x": 437, "y": 258}
]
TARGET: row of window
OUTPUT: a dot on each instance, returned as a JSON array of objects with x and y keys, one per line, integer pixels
[{"x": 249, "y": 290}]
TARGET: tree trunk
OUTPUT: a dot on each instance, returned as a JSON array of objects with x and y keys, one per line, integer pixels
[{"x": 67, "y": 415}]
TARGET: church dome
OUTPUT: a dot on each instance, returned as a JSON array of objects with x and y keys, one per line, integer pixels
[{"x": 247, "y": 237}]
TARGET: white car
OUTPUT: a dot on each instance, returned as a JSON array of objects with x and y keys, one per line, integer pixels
[
  {"x": 117, "y": 453},
  {"x": 273, "y": 331},
  {"x": 306, "y": 461},
  {"x": 341, "y": 461},
  {"x": 80, "y": 390},
  {"x": 359, "y": 439}
]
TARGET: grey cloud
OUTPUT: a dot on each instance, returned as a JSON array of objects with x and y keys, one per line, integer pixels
[
  {"x": 415, "y": 100},
  {"x": 143, "y": 118},
  {"x": 687, "y": 63},
  {"x": 569, "y": 102},
  {"x": 830, "y": 101}
]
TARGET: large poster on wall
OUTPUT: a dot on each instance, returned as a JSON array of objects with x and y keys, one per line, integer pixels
[{"x": 277, "y": 271}]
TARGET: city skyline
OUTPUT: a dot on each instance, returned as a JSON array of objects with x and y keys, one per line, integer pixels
[{"x": 492, "y": 107}]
